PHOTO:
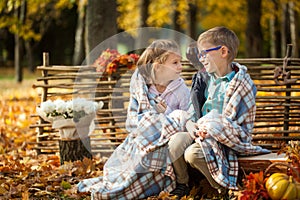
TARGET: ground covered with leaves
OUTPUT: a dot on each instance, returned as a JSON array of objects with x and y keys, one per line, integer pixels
[{"x": 23, "y": 173}]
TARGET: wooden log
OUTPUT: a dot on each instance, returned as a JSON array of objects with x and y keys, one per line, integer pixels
[{"x": 72, "y": 150}]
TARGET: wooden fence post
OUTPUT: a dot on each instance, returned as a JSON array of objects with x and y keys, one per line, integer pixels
[
  {"x": 43, "y": 97},
  {"x": 287, "y": 94}
]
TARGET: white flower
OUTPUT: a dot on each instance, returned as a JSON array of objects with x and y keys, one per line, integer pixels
[
  {"x": 89, "y": 107},
  {"x": 75, "y": 108},
  {"x": 60, "y": 106},
  {"x": 78, "y": 104},
  {"x": 69, "y": 108},
  {"x": 47, "y": 107}
]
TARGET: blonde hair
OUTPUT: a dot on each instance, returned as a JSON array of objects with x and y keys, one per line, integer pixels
[
  {"x": 221, "y": 36},
  {"x": 157, "y": 52}
]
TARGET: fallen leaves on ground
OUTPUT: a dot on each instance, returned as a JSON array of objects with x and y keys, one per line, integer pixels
[{"x": 23, "y": 173}]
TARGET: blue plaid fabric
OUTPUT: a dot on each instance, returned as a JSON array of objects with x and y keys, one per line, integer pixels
[
  {"x": 230, "y": 132},
  {"x": 140, "y": 166}
]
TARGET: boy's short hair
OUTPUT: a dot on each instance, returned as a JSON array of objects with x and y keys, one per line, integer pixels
[{"x": 221, "y": 36}]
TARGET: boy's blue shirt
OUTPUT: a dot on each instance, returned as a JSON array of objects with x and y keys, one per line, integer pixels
[{"x": 215, "y": 92}]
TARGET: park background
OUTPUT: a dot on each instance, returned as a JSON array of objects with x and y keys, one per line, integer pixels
[{"x": 70, "y": 29}]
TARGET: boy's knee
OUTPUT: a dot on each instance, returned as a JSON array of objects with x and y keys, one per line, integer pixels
[{"x": 189, "y": 156}]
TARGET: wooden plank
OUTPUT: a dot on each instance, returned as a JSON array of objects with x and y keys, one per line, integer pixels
[{"x": 261, "y": 162}]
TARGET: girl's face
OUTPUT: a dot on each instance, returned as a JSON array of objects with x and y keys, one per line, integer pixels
[{"x": 169, "y": 70}]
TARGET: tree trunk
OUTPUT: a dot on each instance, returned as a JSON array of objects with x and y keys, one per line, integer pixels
[
  {"x": 176, "y": 25},
  {"x": 275, "y": 33},
  {"x": 293, "y": 25},
  {"x": 72, "y": 150},
  {"x": 78, "y": 56},
  {"x": 193, "y": 21},
  {"x": 29, "y": 56},
  {"x": 285, "y": 29},
  {"x": 254, "y": 38},
  {"x": 18, "y": 68},
  {"x": 140, "y": 42},
  {"x": 101, "y": 24}
]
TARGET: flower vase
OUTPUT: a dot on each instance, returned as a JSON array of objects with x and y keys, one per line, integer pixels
[
  {"x": 74, "y": 142},
  {"x": 75, "y": 149}
]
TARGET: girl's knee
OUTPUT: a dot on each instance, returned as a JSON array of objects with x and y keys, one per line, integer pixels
[
  {"x": 179, "y": 140},
  {"x": 178, "y": 144}
]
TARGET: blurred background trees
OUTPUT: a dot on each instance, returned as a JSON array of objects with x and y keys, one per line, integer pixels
[{"x": 70, "y": 29}]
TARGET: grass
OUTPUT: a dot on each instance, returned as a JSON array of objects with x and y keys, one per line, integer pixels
[
  {"x": 10, "y": 88},
  {"x": 8, "y": 73}
]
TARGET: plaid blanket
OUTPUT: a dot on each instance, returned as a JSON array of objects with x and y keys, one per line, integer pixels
[
  {"x": 140, "y": 166},
  {"x": 230, "y": 132}
]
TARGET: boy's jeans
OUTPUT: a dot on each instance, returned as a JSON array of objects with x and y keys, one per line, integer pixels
[{"x": 182, "y": 150}]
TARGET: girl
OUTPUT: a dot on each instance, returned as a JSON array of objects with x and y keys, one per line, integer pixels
[
  {"x": 158, "y": 78},
  {"x": 140, "y": 166}
]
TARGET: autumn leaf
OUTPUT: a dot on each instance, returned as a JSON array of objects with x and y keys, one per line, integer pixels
[{"x": 65, "y": 185}]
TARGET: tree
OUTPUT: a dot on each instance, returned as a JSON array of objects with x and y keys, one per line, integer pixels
[
  {"x": 26, "y": 20},
  {"x": 282, "y": 26},
  {"x": 289, "y": 27},
  {"x": 79, "y": 46},
  {"x": 274, "y": 30},
  {"x": 144, "y": 14},
  {"x": 19, "y": 14},
  {"x": 254, "y": 38},
  {"x": 293, "y": 27},
  {"x": 101, "y": 23},
  {"x": 192, "y": 20}
]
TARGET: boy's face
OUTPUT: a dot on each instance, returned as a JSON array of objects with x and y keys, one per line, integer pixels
[
  {"x": 209, "y": 59},
  {"x": 213, "y": 58}
]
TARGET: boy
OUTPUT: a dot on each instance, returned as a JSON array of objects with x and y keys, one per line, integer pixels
[{"x": 223, "y": 102}]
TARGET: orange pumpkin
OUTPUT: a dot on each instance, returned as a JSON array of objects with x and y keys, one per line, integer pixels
[{"x": 282, "y": 186}]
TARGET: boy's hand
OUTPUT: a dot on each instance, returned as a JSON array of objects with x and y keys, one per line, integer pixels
[
  {"x": 201, "y": 133},
  {"x": 196, "y": 131},
  {"x": 191, "y": 127}
]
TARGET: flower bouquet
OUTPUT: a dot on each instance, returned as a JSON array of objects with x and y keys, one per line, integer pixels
[
  {"x": 111, "y": 60},
  {"x": 72, "y": 118}
]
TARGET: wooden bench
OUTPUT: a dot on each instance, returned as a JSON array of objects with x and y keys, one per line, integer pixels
[{"x": 277, "y": 116}]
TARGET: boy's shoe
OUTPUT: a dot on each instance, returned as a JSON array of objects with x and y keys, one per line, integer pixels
[{"x": 181, "y": 190}]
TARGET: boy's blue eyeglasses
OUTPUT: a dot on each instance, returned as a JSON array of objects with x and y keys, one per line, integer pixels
[{"x": 203, "y": 53}]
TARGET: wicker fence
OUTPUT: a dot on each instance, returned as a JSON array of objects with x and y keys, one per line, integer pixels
[{"x": 278, "y": 101}]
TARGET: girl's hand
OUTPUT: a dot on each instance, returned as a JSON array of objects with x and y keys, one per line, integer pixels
[{"x": 160, "y": 105}]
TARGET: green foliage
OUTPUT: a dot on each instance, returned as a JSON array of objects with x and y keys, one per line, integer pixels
[{"x": 34, "y": 22}]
